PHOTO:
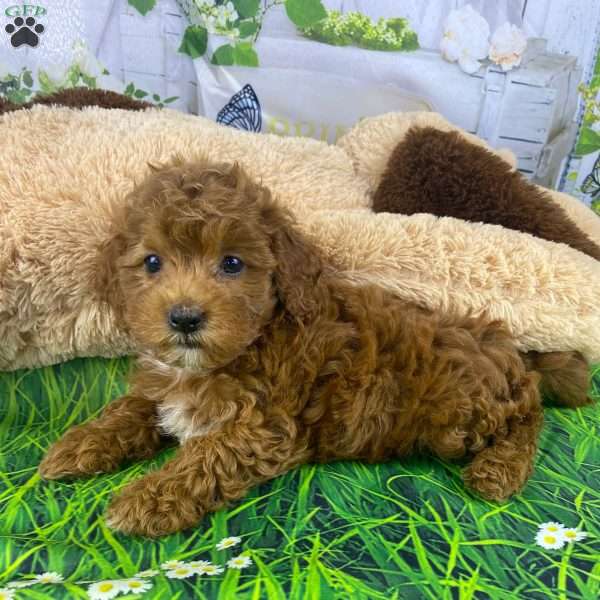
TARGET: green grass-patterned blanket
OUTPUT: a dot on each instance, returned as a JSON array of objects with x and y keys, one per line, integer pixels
[{"x": 346, "y": 530}]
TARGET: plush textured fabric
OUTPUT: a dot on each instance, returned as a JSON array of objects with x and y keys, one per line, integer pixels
[
  {"x": 442, "y": 173},
  {"x": 64, "y": 174},
  {"x": 78, "y": 98},
  {"x": 371, "y": 143}
]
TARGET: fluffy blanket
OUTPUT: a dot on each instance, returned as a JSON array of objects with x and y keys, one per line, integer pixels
[{"x": 65, "y": 172}]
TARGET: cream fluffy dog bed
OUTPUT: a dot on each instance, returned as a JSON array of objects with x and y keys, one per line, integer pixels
[{"x": 65, "y": 174}]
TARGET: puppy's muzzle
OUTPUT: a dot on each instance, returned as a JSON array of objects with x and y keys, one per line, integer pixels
[{"x": 186, "y": 319}]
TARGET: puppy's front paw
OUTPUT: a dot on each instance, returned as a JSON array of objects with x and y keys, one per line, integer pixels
[
  {"x": 82, "y": 451},
  {"x": 150, "y": 507},
  {"x": 493, "y": 479}
]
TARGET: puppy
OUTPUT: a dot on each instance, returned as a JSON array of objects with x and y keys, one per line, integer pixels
[{"x": 258, "y": 358}]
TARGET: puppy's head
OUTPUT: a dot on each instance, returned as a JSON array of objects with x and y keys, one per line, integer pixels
[{"x": 206, "y": 255}]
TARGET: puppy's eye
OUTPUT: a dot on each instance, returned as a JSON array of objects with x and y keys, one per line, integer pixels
[
  {"x": 232, "y": 265},
  {"x": 152, "y": 263}
]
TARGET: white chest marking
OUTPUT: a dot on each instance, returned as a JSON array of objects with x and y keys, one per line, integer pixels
[{"x": 177, "y": 421}]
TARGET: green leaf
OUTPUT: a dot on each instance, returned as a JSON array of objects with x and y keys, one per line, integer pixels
[
  {"x": 156, "y": 97},
  {"x": 589, "y": 142},
  {"x": 170, "y": 99},
  {"x": 246, "y": 8},
  {"x": 223, "y": 55},
  {"x": 142, "y": 6},
  {"x": 245, "y": 55},
  {"x": 27, "y": 78},
  {"x": 45, "y": 84},
  {"x": 73, "y": 75},
  {"x": 194, "y": 41},
  {"x": 247, "y": 28},
  {"x": 129, "y": 89},
  {"x": 89, "y": 81},
  {"x": 140, "y": 94},
  {"x": 304, "y": 13}
]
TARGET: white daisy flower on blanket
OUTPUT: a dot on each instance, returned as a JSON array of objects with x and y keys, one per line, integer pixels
[
  {"x": 550, "y": 539},
  {"x": 182, "y": 572},
  {"x": 51, "y": 577},
  {"x": 209, "y": 569},
  {"x": 551, "y": 527},
  {"x": 105, "y": 590},
  {"x": 147, "y": 573},
  {"x": 6, "y": 594},
  {"x": 574, "y": 535},
  {"x": 239, "y": 562},
  {"x": 228, "y": 542},
  {"x": 136, "y": 585},
  {"x": 172, "y": 564}
]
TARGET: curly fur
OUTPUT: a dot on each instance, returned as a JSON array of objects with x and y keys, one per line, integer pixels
[
  {"x": 440, "y": 172},
  {"x": 292, "y": 365}
]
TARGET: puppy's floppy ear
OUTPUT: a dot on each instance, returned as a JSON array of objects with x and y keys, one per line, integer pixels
[
  {"x": 115, "y": 244},
  {"x": 299, "y": 263}
]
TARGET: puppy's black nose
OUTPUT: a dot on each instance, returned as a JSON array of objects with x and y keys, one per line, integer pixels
[{"x": 186, "y": 319}]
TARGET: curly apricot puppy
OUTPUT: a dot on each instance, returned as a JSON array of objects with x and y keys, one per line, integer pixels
[{"x": 258, "y": 359}]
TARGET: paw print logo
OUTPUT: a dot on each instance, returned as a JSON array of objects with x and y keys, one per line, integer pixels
[{"x": 24, "y": 31}]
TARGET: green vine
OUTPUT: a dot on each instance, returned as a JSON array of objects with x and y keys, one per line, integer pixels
[
  {"x": 589, "y": 138},
  {"x": 133, "y": 92},
  {"x": 17, "y": 88},
  {"x": 241, "y": 21},
  {"x": 20, "y": 87},
  {"x": 74, "y": 77}
]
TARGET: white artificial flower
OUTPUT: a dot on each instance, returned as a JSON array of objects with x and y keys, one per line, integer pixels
[
  {"x": 228, "y": 542},
  {"x": 507, "y": 46},
  {"x": 182, "y": 572},
  {"x": 239, "y": 562},
  {"x": 226, "y": 13},
  {"x": 466, "y": 38},
  {"x": 551, "y": 527},
  {"x": 210, "y": 23},
  {"x": 550, "y": 540},
  {"x": 221, "y": 20},
  {"x": 147, "y": 573},
  {"x": 172, "y": 564},
  {"x": 135, "y": 585},
  {"x": 105, "y": 590},
  {"x": 51, "y": 577},
  {"x": 6, "y": 594},
  {"x": 209, "y": 569},
  {"x": 574, "y": 535}
]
